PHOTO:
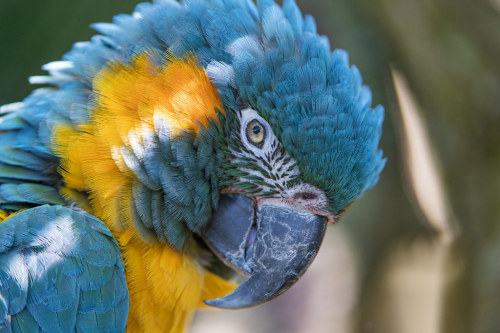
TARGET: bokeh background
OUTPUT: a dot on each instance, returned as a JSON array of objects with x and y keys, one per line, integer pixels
[{"x": 421, "y": 251}]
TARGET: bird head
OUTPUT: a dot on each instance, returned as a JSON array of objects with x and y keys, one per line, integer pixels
[
  {"x": 299, "y": 143},
  {"x": 232, "y": 122}
]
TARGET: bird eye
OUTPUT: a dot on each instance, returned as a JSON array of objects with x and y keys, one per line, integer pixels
[{"x": 256, "y": 133}]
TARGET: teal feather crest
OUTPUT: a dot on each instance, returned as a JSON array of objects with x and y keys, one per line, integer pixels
[{"x": 314, "y": 101}]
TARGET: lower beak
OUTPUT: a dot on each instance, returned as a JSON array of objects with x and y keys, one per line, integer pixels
[{"x": 273, "y": 244}]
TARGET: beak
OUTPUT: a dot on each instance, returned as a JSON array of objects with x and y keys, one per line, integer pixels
[{"x": 272, "y": 244}]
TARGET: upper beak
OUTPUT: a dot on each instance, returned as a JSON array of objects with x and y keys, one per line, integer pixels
[{"x": 273, "y": 244}]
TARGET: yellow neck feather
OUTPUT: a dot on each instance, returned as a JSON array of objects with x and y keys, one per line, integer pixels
[
  {"x": 165, "y": 285},
  {"x": 3, "y": 215}
]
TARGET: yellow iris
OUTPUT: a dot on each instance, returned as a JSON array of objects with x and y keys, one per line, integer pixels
[{"x": 256, "y": 132}]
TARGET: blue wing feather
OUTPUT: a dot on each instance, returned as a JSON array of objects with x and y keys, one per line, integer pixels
[
  {"x": 60, "y": 271},
  {"x": 11, "y": 121}
]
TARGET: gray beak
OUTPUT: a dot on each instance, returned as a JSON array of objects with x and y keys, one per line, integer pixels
[{"x": 273, "y": 244}]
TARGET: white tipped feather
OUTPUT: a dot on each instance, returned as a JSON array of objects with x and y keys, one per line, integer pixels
[
  {"x": 11, "y": 107},
  {"x": 57, "y": 66}
]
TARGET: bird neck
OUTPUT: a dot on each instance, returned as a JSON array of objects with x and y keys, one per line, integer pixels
[
  {"x": 147, "y": 151},
  {"x": 146, "y": 167}
]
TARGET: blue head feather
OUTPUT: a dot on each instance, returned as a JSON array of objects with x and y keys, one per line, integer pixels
[{"x": 314, "y": 101}]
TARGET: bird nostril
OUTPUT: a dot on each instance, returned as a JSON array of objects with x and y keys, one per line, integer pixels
[{"x": 305, "y": 196}]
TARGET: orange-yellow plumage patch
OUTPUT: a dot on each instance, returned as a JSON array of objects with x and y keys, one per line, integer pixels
[
  {"x": 165, "y": 285},
  {"x": 129, "y": 95},
  {"x": 129, "y": 99}
]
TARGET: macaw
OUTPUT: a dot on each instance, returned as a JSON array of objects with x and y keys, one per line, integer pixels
[{"x": 184, "y": 142}]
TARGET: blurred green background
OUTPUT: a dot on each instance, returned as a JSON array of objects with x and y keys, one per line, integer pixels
[{"x": 386, "y": 267}]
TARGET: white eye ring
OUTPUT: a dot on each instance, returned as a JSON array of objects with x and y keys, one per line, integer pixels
[{"x": 249, "y": 117}]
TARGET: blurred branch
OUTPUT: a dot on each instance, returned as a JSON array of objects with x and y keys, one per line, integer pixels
[{"x": 422, "y": 170}]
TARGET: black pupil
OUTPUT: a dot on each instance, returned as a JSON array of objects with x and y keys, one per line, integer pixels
[{"x": 256, "y": 129}]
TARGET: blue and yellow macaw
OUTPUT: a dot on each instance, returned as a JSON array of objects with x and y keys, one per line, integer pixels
[{"x": 185, "y": 141}]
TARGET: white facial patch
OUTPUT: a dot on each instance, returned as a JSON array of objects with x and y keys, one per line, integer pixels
[{"x": 264, "y": 160}]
